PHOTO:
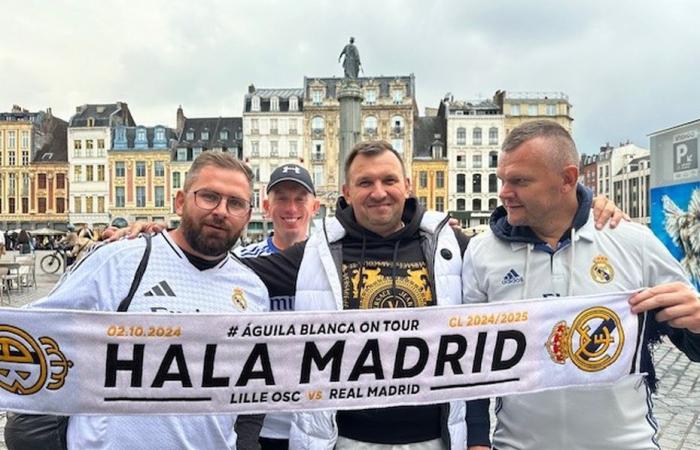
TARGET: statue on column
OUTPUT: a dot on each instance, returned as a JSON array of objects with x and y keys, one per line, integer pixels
[{"x": 351, "y": 63}]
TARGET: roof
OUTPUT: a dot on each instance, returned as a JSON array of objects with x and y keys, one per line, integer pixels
[
  {"x": 692, "y": 122},
  {"x": 425, "y": 131},
  {"x": 150, "y": 133},
  {"x": 214, "y": 125},
  {"x": 283, "y": 96},
  {"x": 103, "y": 115},
  {"x": 55, "y": 146},
  {"x": 281, "y": 93},
  {"x": 384, "y": 84},
  {"x": 477, "y": 107}
]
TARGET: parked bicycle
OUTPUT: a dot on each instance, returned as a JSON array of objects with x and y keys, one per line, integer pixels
[{"x": 52, "y": 262}]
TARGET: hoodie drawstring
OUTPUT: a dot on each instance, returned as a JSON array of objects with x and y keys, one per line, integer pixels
[
  {"x": 526, "y": 276},
  {"x": 393, "y": 268},
  {"x": 360, "y": 282},
  {"x": 572, "y": 259}
]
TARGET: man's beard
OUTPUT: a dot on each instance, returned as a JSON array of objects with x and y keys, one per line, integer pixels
[{"x": 199, "y": 242}]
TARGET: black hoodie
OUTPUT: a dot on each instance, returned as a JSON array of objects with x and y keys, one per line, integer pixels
[{"x": 377, "y": 272}]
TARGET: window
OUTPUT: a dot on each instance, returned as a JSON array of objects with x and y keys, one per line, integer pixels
[
  {"x": 11, "y": 140},
  {"x": 77, "y": 145},
  {"x": 318, "y": 176},
  {"x": 11, "y": 158},
  {"x": 461, "y": 161},
  {"x": 140, "y": 196},
  {"x": 11, "y": 184},
  {"x": 25, "y": 205},
  {"x": 78, "y": 204},
  {"x": 119, "y": 169},
  {"x": 89, "y": 176},
  {"x": 274, "y": 104},
  {"x": 100, "y": 204},
  {"x": 254, "y": 126},
  {"x": 158, "y": 169},
  {"x": 256, "y": 200},
  {"x": 159, "y": 197},
  {"x": 398, "y": 145},
  {"x": 25, "y": 139},
  {"x": 119, "y": 199},
  {"x": 205, "y": 135},
  {"x": 476, "y": 183},
  {"x": 160, "y": 134},
  {"x": 91, "y": 122},
  {"x": 255, "y": 104},
  {"x": 476, "y": 204},
  {"x": 256, "y": 172},
  {"x": 493, "y": 203},
  {"x": 294, "y": 103},
  {"x": 274, "y": 148},
  {"x": 461, "y": 182},
  {"x": 293, "y": 149},
  {"x": 531, "y": 110},
  {"x": 41, "y": 181},
  {"x": 317, "y": 123},
  {"x": 476, "y": 136},
  {"x": 493, "y": 160},
  {"x": 423, "y": 202},
  {"x": 176, "y": 180},
  {"x": 461, "y": 136},
  {"x": 551, "y": 110},
  {"x": 317, "y": 97},
  {"x": 397, "y": 124},
  {"x": 25, "y": 158},
  {"x": 77, "y": 173},
  {"x": 140, "y": 168},
  {"x": 88, "y": 204},
  {"x": 273, "y": 126},
  {"x": 371, "y": 124},
  {"x": 190, "y": 135},
  {"x": 182, "y": 154},
  {"x": 493, "y": 136},
  {"x": 423, "y": 179},
  {"x": 1, "y": 140},
  {"x": 292, "y": 126},
  {"x": 493, "y": 183},
  {"x": 89, "y": 144},
  {"x": 514, "y": 110},
  {"x": 255, "y": 148},
  {"x": 60, "y": 181},
  {"x": 25, "y": 184},
  {"x": 439, "y": 179},
  {"x": 11, "y": 205},
  {"x": 101, "y": 144},
  {"x": 223, "y": 135},
  {"x": 476, "y": 161},
  {"x": 461, "y": 204},
  {"x": 371, "y": 97},
  {"x": 397, "y": 96},
  {"x": 60, "y": 205},
  {"x": 439, "y": 204},
  {"x": 100, "y": 172},
  {"x": 317, "y": 151}
]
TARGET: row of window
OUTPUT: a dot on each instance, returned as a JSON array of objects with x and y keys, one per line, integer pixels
[
  {"x": 139, "y": 169},
  {"x": 439, "y": 179},
  {"x": 89, "y": 173},
  {"x": 476, "y": 204},
  {"x": 88, "y": 144},
  {"x": 370, "y": 124},
  {"x": 89, "y": 204},
  {"x": 190, "y": 135},
  {"x": 533, "y": 110},
  {"x": 11, "y": 184},
  {"x": 12, "y": 158},
  {"x": 476, "y": 183},
  {"x": 288, "y": 127},
  {"x": 397, "y": 96},
  {"x": 140, "y": 191},
  {"x": 291, "y": 152},
  {"x": 275, "y": 103},
  {"x": 461, "y": 137},
  {"x": 89, "y": 153},
  {"x": 461, "y": 161},
  {"x": 11, "y": 206},
  {"x": 11, "y": 142}
]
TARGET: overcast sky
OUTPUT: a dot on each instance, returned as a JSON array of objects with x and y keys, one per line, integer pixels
[{"x": 627, "y": 66}]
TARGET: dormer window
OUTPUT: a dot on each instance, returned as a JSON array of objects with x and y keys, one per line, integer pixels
[
  {"x": 255, "y": 104},
  {"x": 90, "y": 122},
  {"x": 223, "y": 135},
  {"x": 397, "y": 96},
  {"x": 294, "y": 103},
  {"x": 190, "y": 135},
  {"x": 205, "y": 135},
  {"x": 371, "y": 97},
  {"x": 141, "y": 141},
  {"x": 274, "y": 104},
  {"x": 317, "y": 97},
  {"x": 160, "y": 134},
  {"x": 141, "y": 135}
]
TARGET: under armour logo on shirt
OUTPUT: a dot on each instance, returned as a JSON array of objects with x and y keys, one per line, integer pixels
[{"x": 288, "y": 168}]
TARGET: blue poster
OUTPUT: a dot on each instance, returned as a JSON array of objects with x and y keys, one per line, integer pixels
[{"x": 675, "y": 220}]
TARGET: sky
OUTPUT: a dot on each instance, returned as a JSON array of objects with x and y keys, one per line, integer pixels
[{"x": 627, "y": 66}]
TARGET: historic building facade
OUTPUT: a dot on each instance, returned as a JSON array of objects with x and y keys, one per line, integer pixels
[
  {"x": 273, "y": 124},
  {"x": 139, "y": 170},
  {"x": 89, "y": 138},
  {"x": 388, "y": 112},
  {"x": 475, "y": 131},
  {"x": 429, "y": 179},
  {"x": 33, "y": 167},
  {"x": 519, "y": 107}
]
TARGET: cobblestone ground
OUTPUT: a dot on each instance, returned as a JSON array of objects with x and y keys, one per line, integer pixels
[{"x": 676, "y": 406}]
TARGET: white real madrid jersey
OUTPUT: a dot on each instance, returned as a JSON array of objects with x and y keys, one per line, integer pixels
[{"x": 170, "y": 284}]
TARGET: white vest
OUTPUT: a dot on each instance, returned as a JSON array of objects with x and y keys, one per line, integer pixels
[{"x": 323, "y": 291}]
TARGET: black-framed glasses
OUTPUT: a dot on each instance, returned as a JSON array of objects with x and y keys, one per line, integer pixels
[{"x": 210, "y": 200}]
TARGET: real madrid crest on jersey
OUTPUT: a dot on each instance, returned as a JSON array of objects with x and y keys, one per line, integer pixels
[
  {"x": 238, "y": 298},
  {"x": 602, "y": 271},
  {"x": 28, "y": 365},
  {"x": 593, "y": 342}
]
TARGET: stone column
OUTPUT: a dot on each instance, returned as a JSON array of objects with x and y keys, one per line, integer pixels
[{"x": 350, "y": 99}]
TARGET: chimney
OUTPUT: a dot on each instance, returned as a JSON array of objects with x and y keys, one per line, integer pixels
[
  {"x": 251, "y": 88},
  {"x": 180, "y": 120}
]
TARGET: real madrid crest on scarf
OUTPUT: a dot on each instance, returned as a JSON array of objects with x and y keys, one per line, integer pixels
[
  {"x": 601, "y": 270},
  {"x": 593, "y": 342}
]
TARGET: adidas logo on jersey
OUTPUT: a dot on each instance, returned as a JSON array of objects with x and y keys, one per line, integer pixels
[
  {"x": 161, "y": 289},
  {"x": 511, "y": 277}
]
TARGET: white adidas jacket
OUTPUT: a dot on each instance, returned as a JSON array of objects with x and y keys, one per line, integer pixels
[{"x": 319, "y": 288}]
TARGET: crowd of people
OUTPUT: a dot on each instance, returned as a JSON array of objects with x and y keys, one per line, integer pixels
[{"x": 382, "y": 238}]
